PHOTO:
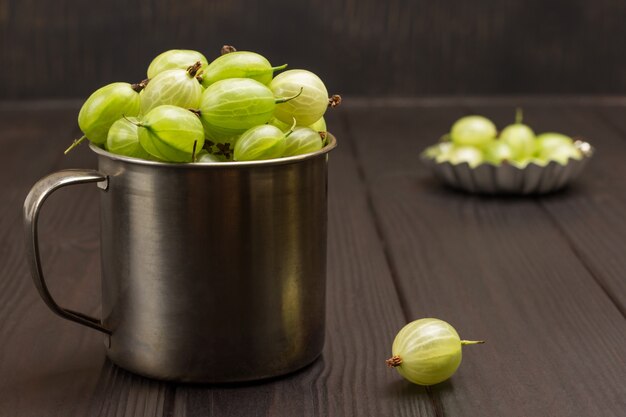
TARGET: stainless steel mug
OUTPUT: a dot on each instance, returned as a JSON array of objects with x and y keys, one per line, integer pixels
[{"x": 211, "y": 272}]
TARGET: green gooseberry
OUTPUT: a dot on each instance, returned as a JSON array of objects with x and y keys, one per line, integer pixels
[
  {"x": 473, "y": 131},
  {"x": 240, "y": 64},
  {"x": 175, "y": 59},
  {"x": 519, "y": 137},
  {"x": 557, "y": 147},
  {"x": 440, "y": 152},
  {"x": 281, "y": 125},
  {"x": 308, "y": 106},
  {"x": 123, "y": 139},
  {"x": 497, "y": 152},
  {"x": 552, "y": 139},
  {"x": 303, "y": 140},
  {"x": 105, "y": 106},
  {"x": 171, "y": 133},
  {"x": 261, "y": 142},
  {"x": 427, "y": 351},
  {"x": 469, "y": 154},
  {"x": 560, "y": 153},
  {"x": 176, "y": 87},
  {"x": 319, "y": 126},
  {"x": 230, "y": 107}
]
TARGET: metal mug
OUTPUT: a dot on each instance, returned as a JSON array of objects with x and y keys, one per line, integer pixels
[{"x": 211, "y": 272}]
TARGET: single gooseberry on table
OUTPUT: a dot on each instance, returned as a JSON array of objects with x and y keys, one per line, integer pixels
[{"x": 427, "y": 351}]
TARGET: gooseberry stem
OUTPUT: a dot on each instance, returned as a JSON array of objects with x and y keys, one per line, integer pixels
[
  {"x": 278, "y": 68},
  {"x": 138, "y": 124},
  {"x": 394, "y": 361},
  {"x": 293, "y": 126},
  {"x": 75, "y": 144},
  {"x": 472, "y": 342},
  {"x": 334, "y": 100},
  {"x": 519, "y": 115},
  {"x": 193, "y": 69},
  {"x": 140, "y": 85},
  {"x": 264, "y": 71},
  {"x": 286, "y": 99},
  {"x": 226, "y": 49}
]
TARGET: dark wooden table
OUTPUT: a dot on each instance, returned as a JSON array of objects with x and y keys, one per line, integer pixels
[{"x": 542, "y": 280}]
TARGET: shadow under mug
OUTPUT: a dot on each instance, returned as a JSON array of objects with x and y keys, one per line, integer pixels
[{"x": 211, "y": 272}]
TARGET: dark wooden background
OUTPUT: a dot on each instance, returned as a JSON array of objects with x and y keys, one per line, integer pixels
[
  {"x": 68, "y": 48},
  {"x": 541, "y": 279}
]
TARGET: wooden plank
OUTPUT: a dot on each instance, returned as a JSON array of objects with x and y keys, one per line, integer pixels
[
  {"x": 62, "y": 370},
  {"x": 614, "y": 116},
  {"x": 363, "y": 314},
  {"x": 51, "y": 367},
  {"x": 497, "y": 269},
  {"x": 590, "y": 215},
  {"x": 29, "y": 367},
  {"x": 68, "y": 48}
]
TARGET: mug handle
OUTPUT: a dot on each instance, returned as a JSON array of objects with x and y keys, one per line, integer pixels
[{"x": 32, "y": 206}]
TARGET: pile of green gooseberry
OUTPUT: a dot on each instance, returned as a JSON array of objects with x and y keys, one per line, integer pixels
[
  {"x": 189, "y": 110},
  {"x": 475, "y": 140}
]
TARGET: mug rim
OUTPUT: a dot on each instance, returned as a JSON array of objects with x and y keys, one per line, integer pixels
[{"x": 332, "y": 144}]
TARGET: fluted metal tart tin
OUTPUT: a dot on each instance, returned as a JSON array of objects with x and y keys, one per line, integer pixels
[{"x": 509, "y": 179}]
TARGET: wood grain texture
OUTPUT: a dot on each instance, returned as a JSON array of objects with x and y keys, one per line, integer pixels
[
  {"x": 31, "y": 387},
  {"x": 540, "y": 279},
  {"x": 590, "y": 216},
  {"x": 497, "y": 269},
  {"x": 68, "y": 48},
  {"x": 49, "y": 366}
]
